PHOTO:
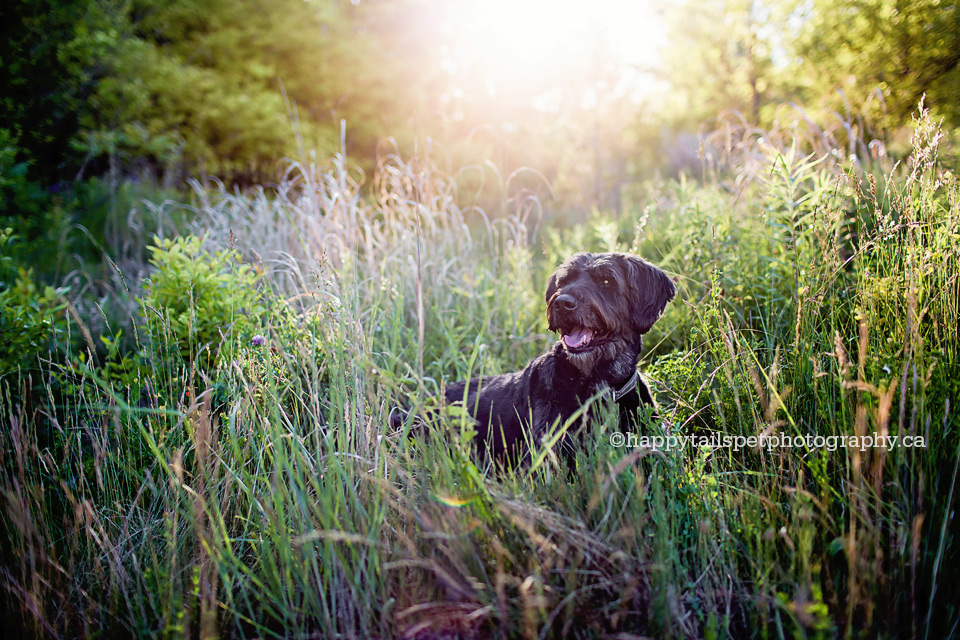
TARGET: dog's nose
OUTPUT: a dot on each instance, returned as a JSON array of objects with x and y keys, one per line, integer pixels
[{"x": 566, "y": 302}]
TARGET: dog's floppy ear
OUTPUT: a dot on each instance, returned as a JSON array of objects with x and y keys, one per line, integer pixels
[{"x": 650, "y": 291}]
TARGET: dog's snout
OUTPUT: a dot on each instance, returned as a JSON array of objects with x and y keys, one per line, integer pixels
[{"x": 566, "y": 302}]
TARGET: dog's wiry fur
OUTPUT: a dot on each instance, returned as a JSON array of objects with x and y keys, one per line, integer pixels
[{"x": 601, "y": 304}]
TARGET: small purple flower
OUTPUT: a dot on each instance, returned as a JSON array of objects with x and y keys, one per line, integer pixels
[{"x": 259, "y": 341}]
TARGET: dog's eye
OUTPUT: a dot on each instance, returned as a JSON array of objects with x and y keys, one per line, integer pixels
[{"x": 604, "y": 280}]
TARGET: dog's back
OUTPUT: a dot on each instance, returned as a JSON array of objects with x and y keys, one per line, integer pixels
[{"x": 514, "y": 410}]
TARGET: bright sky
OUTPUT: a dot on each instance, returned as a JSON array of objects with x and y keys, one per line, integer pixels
[{"x": 515, "y": 43}]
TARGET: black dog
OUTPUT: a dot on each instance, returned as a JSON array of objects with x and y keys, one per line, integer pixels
[{"x": 601, "y": 304}]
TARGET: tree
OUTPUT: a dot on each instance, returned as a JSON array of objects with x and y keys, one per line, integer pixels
[
  {"x": 721, "y": 58},
  {"x": 91, "y": 87},
  {"x": 881, "y": 56}
]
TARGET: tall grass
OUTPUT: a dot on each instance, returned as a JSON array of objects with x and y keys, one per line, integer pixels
[{"x": 266, "y": 495}]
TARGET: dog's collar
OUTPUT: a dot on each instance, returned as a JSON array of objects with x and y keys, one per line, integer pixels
[{"x": 628, "y": 386}]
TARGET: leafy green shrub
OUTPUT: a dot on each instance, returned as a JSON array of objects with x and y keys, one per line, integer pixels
[
  {"x": 32, "y": 321},
  {"x": 683, "y": 374},
  {"x": 19, "y": 196},
  {"x": 197, "y": 302}
]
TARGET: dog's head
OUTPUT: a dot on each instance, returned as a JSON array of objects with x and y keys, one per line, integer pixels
[{"x": 600, "y": 303}]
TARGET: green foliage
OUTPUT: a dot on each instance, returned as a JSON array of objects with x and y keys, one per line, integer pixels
[
  {"x": 720, "y": 57},
  {"x": 207, "y": 301},
  {"x": 32, "y": 318},
  {"x": 186, "y": 88},
  {"x": 880, "y": 57},
  {"x": 19, "y": 196},
  {"x": 684, "y": 374}
]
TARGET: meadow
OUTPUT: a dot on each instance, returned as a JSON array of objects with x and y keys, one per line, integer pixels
[{"x": 200, "y": 446}]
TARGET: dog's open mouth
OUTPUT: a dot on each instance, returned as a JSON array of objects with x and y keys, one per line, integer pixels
[{"x": 579, "y": 339}]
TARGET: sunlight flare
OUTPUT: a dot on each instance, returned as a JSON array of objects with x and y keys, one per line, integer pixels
[{"x": 517, "y": 47}]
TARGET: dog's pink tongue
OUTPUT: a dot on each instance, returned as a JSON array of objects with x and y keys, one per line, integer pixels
[{"x": 578, "y": 338}]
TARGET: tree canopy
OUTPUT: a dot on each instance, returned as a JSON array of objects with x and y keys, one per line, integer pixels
[{"x": 174, "y": 88}]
